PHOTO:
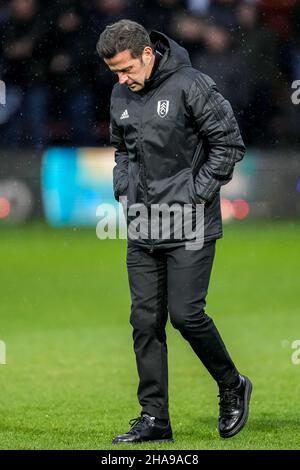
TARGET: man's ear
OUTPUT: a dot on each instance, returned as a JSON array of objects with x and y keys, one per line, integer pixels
[
  {"x": 147, "y": 54},
  {"x": 148, "y": 51}
]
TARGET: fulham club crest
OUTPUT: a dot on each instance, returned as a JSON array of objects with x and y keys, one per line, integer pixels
[{"x": 162, "y": 108}]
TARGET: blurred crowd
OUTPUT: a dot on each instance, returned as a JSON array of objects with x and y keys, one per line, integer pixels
[{"x": 58, "y": 90}]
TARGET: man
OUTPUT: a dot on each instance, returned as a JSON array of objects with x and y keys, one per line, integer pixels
[{"x": 176, "y": 142}]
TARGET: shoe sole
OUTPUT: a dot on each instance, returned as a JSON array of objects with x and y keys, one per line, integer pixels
[
  {"x": 244, "y": 418},
  {"x": 142, "y": 442}
]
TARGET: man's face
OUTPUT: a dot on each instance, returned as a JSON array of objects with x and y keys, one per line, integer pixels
[{"x": 132, "y": 71}]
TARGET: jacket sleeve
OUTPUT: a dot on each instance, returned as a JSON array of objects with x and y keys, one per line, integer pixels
[
  {"x": 218, "y": 128},
  {"x": 120, "y": 171}
]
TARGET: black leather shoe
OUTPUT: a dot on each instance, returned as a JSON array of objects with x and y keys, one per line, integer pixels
[
  {"x": 234, "y": 407},
  {"x": 144, "y": 429}
]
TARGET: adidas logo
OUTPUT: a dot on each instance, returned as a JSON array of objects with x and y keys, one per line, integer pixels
[{"x": 124, "y": 115}]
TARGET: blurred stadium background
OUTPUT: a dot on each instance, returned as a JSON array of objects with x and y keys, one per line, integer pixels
[{"x": 69, "y": 379}]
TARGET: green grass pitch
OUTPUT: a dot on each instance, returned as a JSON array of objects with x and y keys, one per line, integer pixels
[{"x": 70, "y": 379}]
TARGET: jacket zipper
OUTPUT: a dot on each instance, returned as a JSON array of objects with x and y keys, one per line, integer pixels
[
  {"x": 143, "y": 167},
  {"x": 140, "y": 156}
]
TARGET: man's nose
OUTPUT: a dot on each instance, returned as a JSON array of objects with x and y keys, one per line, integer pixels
[{"x": 123, "y": 79}]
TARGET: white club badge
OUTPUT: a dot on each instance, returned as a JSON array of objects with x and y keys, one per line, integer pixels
[{"x": 163, "y": 108}]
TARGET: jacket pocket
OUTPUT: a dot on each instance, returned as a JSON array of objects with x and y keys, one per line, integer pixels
[
  {"x": 198, "y": 158},
  {"x": 195, "y": 199},
  {"x": 120, "y": 182}
]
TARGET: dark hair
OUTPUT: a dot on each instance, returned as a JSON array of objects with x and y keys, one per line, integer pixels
[{"x": 123, "y": 35}]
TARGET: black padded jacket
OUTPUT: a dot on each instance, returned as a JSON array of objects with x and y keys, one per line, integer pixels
[{"x": 176, "y": 140}]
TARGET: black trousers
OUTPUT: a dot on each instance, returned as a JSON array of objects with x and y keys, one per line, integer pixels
[{"x": 173, "y": 280}]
